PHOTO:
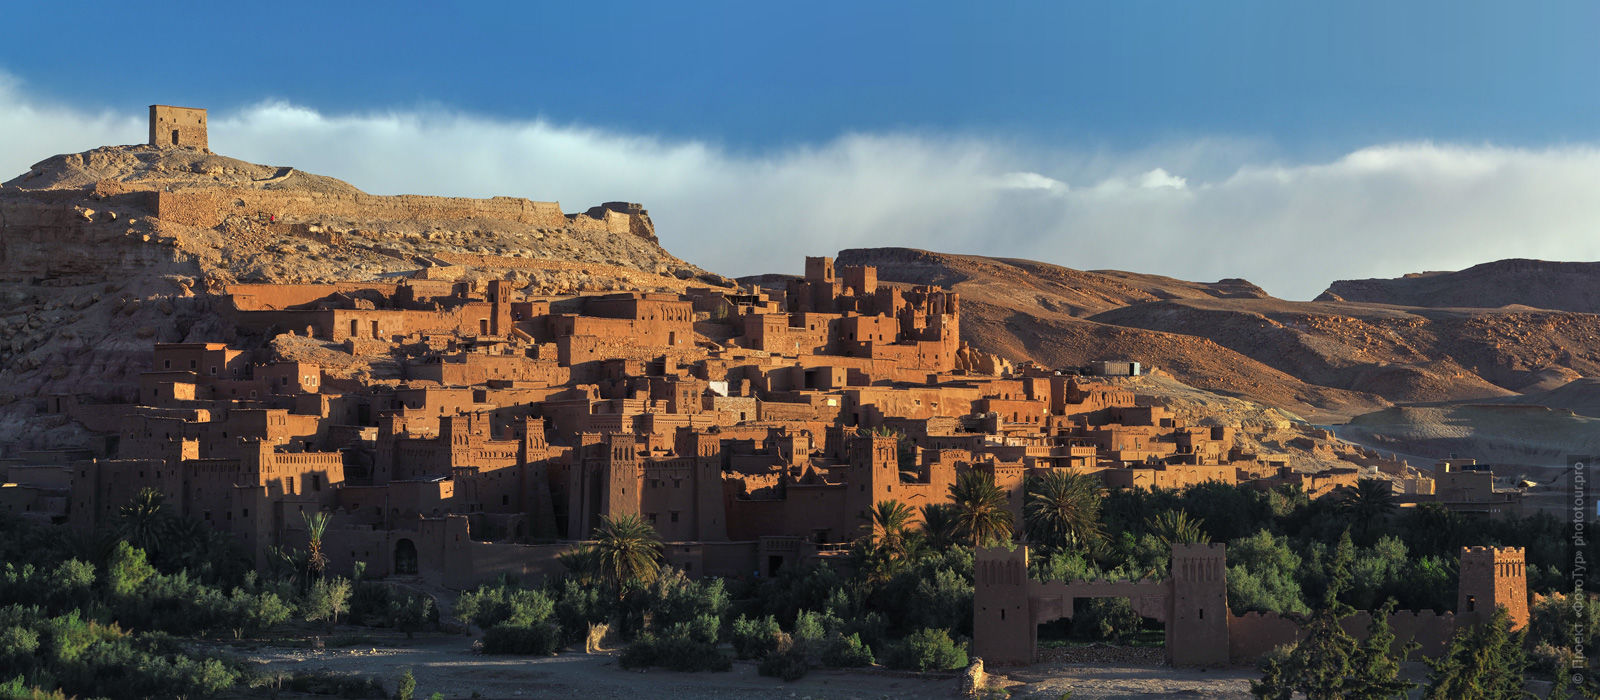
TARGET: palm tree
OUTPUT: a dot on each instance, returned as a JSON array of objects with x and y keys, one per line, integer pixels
[
  {"x": 889, "y": 521},
  {"x": 1367, "y": 504},
  {"x": 1368, "y": 500},
  {"x": 980, "y": 508},
  {"x": 316, "y": 525},
  {"x": 1176, "y": 527},
  {"x": 583, "y": 563},
  {"x": 1063, "y": 509},
  {"x": 939, "y": 525},
  {"x": 629, "y": 549},
  {"x": 193, "y": 544},
  {"x": 144, "y": 521}
]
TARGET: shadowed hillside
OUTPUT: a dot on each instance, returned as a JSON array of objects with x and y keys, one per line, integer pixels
[{"x": 1325, "y": 359}]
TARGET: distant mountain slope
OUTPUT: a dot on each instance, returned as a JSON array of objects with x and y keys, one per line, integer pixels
[
  {"x": 1028, "y": 310},
  {"x": 1494, "y": 433},
  {"x": 1580, "y": 396},
  {"x": 1564, "y": 286},
  {"x": 1325, "y": 359},
  {"x": 1403, "y": 354},
  {"x": 1055, "y": 289}
]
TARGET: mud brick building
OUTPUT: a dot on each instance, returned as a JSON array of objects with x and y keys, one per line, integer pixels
[{"x": 752, "y": 429}]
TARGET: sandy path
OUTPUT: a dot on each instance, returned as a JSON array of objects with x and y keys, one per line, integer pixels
[{"x": 449, "y": 666}]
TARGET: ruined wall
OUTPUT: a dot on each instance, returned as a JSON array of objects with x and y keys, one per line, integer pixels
[
  {"x": 1170, "y": 476},
  {"x": 616, "y": 218},
  {"x": 50, "y": 238},
  {"x": 480, "y": 369},
  {"x": 804, "y": 510},
  {"x": 208, "y": 208},
  {"x": 1253, "y": 634},
  {"x": 667, "y": 498},
  {"x": 277, "y": 297}
]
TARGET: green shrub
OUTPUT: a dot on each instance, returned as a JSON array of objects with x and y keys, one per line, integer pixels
[
  {"x": 927, "y": 650},
  {"x": 755, "y": 639},
  {"x": 1561, "y": 621},
  {"x": 18, "y": 689},
  {"x": 1261, "y": 575},
  {"x": 794, "y": 656},
  {"x": 17, "y": 643},
  {"x": 369, "y": 601},
  {"x": 406, "y": 687},
  {"x": 538, "y": 638},
  {"x": 328, "y": 599},
  {"x": 685, "y": 646},
  {"x": 491, "y": 605},
  {"x": 411, "y": 612},
  {"x": 128, "y": 571},
  {"x": 327, "y": 683},
  {"x": 808, "y": 628},
  {"x": 1108, "y": 619},
  {"x": 670, "y": 599},
  {"x": 844, "y": 651},
  {"x": 789, "y": 665},
  {"x": 871, "y": 627},
  {"x": 578, "y": 606},
  {"x": 254, "y": 613}
]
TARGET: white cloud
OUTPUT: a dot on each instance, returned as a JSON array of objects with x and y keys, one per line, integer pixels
[
  {"x": 1031, "y": 181},
  {"x": 1161, "y": 179},
  {"x": 1233, "y": 212}
]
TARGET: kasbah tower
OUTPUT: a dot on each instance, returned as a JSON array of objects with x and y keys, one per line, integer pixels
[{"x": 1494, "y": 577}]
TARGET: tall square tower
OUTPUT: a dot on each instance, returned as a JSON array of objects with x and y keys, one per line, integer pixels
[
  {"x": 1197, "y": 621},
  {"x": 176, "y": 127},
  {"x": 1494, "y": 577}
]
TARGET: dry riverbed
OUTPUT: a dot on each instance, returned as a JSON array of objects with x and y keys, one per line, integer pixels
[{"x": 448, "y": 665}]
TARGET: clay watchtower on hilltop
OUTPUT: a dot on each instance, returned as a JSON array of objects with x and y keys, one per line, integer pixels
[{"x": 175, "y": 127}]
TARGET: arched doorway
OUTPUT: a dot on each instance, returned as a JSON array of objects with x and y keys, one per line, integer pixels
[{"x": 405, "y": 558}]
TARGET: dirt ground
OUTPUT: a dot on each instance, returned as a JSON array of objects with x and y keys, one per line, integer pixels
[{"x": 449, "y": 666}]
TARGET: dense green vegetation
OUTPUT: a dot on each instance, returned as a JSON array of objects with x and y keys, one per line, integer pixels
[
  {"x": 905, "y": 598},
  {"x": 104, "y": 616},
  {"x": 113, "y": 616}
]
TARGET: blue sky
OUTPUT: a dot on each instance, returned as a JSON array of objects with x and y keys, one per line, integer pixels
[
  {"x": 1081, "y": 95},
  {"x": 757, "y": 74}
]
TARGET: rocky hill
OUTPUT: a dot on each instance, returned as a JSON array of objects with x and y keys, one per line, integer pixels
[
  {"x": 1326, "y": 360},
  {"x": 1564, "y": 286},
  {"x": 1026, "y": 310},
  {"x": 104, "y": 252},
  {"x": 1404, "y": 354}
]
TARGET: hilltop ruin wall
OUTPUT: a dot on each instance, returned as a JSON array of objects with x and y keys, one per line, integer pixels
[{"x": 209, "y": 208}]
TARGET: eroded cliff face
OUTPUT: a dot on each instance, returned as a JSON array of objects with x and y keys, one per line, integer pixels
[{"x": 105, "y": 252}]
